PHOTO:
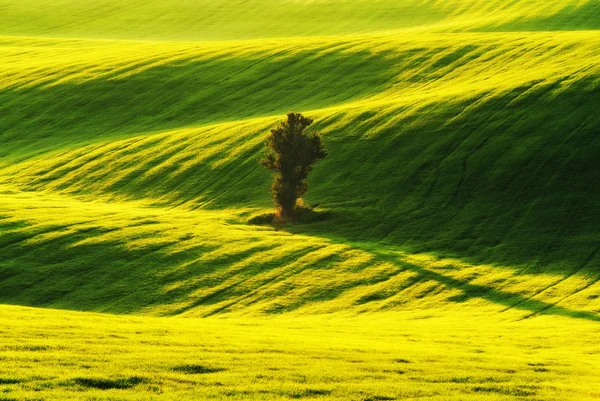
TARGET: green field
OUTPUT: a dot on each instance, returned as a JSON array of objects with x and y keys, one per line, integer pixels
[{"x": 454, "y": 252}]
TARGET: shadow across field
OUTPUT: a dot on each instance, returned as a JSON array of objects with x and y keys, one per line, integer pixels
[
  {"x": 93, "y": 266},
  {"x": 488, "y": 293},
  {"x": 510, "y": 179}
]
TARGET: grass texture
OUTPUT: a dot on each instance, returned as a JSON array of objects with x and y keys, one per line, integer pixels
[
  {"x": 399, "y": 356},
  {"x": 457, "y": 222},
  {"x": 259, "y": 19}
]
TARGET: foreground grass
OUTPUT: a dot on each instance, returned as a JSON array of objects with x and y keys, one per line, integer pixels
[{"x": 49, "y": 354}]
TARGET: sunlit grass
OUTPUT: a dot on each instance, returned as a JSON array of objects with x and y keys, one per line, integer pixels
[
  {"x": 453, "y": 253},
  {"x": 416, "y": 355},
  {"x": 239, "y": 19}
]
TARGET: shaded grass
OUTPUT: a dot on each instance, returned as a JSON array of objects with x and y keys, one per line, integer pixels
[
  {"x": 194, "y": 369},
  {"x": 10, "y": 380},
  {"x": 121, "y": 383},
  {"x": 163, "y": 86}
]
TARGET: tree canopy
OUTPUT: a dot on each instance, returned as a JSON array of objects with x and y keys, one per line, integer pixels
[{"x": 291, "y": 154}]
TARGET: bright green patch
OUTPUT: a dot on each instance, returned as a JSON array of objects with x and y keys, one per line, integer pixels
[{"x": 396, "y": 356}]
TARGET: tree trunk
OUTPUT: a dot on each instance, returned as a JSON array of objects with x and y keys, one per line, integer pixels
[{"x": 285, "y": 197}]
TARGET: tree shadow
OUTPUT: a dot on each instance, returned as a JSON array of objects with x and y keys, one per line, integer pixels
[{"x": 468, "y": 290}]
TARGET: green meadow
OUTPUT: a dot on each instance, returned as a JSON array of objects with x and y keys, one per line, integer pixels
[{"x": 453, "y": 252}]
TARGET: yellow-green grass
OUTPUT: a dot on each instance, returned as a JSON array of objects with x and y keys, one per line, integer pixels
[
  {"x": 454, "y": 250},
  {"x": 240, "y": 19},
  {"x": 424, "y": 355}
]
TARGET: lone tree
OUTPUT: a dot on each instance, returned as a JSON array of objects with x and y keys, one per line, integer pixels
[{"x": 291, "y": 153}]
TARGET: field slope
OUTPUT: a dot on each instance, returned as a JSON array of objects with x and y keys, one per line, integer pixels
[{"x": 461, "y": 191}]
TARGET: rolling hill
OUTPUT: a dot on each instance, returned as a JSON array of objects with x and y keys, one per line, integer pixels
[{"x": 462, "y": 176}]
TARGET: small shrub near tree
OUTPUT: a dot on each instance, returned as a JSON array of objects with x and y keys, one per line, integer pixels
[{"x": 291, "y": 154}]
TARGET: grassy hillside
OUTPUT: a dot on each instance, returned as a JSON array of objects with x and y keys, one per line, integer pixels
[
  {"x": 477, "y": 147},
  {"x": 454, "y": 252}
]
